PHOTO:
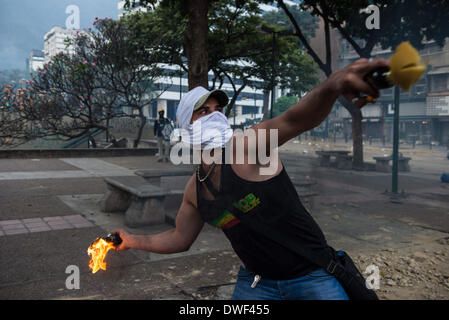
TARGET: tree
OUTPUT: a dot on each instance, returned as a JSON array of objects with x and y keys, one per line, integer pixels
[
  {"x": 195, "y": 35},
  {"x": 291, "y": 68},
  {"x": 233, "y": 43},
  {"x": 235, "y": 50},
  {"x": 326, "y": 67},
  {"x": 307, "y": 22},
  {"x": 406, "y": 20},
  {"x": 126, "y": 70},
  {"x": 28, "y": 114},
  {"x": 77, "y": 95},
  {"x": 67, "y": 98},
  {"x": 283, "y": 103},
  {"x": 12, "y": 131}
]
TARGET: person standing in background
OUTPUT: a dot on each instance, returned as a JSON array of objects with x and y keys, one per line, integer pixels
[{"x": 162, "y": 131}]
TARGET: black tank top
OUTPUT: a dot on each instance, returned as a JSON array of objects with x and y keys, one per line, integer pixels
[{"x": 275, "y": 202}]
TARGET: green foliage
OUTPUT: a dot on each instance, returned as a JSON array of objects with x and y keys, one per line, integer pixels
[
  {"x": 160, "y": 30},
  {"x": 11, "y": 127},
  {"x": 109, "y": 70},
  {"x": 235, "y": 49},
  {"x": 400, "y": 21},
  {"x": 283, "y": 103},
  {"x": 305, "y": 20},
  {"x": 298, "y": 73}
]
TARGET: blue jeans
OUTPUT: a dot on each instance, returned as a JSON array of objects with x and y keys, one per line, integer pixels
[{"x": 317, "y": 285}]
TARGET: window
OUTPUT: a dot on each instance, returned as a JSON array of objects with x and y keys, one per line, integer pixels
[{"x": 438, "y": 82}]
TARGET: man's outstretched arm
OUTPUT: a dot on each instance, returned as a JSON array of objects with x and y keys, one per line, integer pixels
[
  {"x": 314, "y": 107},
  {"x": 178, "y": 239}
]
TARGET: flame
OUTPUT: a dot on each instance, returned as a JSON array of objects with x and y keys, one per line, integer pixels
[{"x": 98, "y": 251}]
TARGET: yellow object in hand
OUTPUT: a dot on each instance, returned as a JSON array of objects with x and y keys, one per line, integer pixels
[{"x": 406, "y": 67}]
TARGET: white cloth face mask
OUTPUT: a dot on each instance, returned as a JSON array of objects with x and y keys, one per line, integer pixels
[{"x": 208, "y": 132}]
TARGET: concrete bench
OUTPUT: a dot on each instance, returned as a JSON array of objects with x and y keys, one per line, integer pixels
[
  {"x": 324, "y": 157},
  {"x": 383, "y": 164},
  {"x": 342, "y": 158},
  {"x": 142, "y": 202},
  {"x": 343, "y": 161},
  {"x": 375, "y": 140},
  {"x": 150, "y": 142},
  {"x": 154, "y": 176}
]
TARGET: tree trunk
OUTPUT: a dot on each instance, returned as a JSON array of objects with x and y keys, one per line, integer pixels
[
  {"x": 356, "y": 114},
  {"x": 107, "y": 128},
  {"x": 357, "y": 138},
  {"x": 234, "y": 99},
  {"x": 266, "y": 102},
  {"x": 143, "y": 121},
  {"x": 195, "y": 44}
]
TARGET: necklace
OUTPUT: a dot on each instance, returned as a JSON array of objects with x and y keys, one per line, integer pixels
[{"x": 207, "y": 175}]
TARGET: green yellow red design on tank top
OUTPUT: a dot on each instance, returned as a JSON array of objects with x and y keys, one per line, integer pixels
[{"x": 227, "y": 220}]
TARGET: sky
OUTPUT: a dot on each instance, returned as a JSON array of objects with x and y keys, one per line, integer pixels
[{"x": 23, "y": 24}]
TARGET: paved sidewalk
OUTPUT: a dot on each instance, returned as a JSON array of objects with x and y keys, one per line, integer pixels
[{"x": 9, "y": 227}]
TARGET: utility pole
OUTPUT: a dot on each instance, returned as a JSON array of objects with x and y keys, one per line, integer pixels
[
  {"x": 272, "y": 75},
  {"x": 394, "y": 181}
]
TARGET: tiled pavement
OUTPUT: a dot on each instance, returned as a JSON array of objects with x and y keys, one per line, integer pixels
[
  {"x": 66, "y": 168},
  {"x": 90, "y": 167},
  {"x": 20, "y": 226}
]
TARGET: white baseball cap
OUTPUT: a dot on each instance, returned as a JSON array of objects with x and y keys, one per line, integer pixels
[{"x": 193, "y": 100}]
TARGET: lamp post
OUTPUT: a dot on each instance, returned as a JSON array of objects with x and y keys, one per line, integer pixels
[
  {"x": 394, "y": 179},
  {"x": 273, "y": 71},
  {"x": 267, "y": 30},
  {"x": 180, "y": 83},
  {"x": 181, "y": 73}
]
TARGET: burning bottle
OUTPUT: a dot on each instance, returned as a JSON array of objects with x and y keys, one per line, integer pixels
[{"x": 99, "y": 249}]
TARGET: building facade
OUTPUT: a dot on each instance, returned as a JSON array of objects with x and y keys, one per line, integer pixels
[
  {"x": 35, "y": 60},
  {"x": 249, "y": 104},
  {"x": 55, "y": 41}
]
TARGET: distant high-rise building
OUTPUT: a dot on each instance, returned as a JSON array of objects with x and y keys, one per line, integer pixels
[
  {"x": 55, "y": 42},
  {"x": 35, "y": 60}
]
